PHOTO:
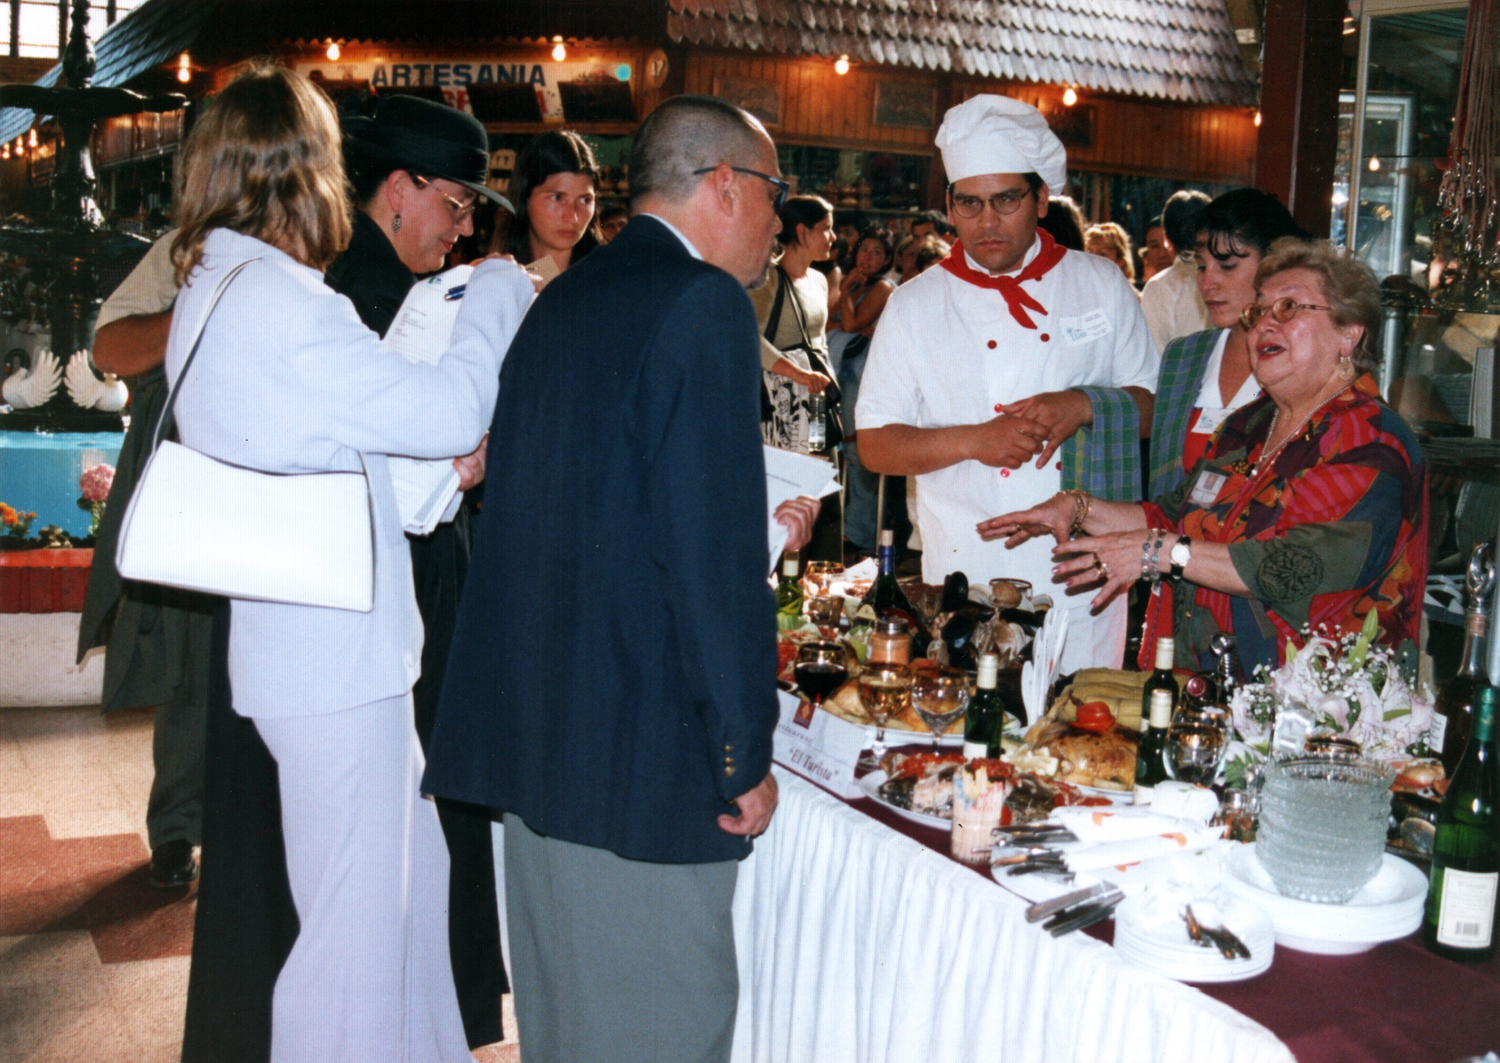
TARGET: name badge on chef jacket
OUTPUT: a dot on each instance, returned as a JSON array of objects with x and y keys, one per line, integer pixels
[
  {"x": 1090, "y": 326},
  {"x": 1206, "y": 487}
]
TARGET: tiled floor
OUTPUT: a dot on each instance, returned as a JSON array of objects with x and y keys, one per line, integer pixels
[{"x": 93, "y": 960}]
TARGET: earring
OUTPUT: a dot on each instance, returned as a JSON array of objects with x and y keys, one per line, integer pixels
[{"x": 396, "y": 224}]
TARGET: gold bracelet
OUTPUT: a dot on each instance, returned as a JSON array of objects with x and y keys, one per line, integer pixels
[{"x": 1082, "y": 504}]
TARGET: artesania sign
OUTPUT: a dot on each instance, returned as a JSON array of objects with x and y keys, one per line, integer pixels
[{"x": 454, "y": 76}]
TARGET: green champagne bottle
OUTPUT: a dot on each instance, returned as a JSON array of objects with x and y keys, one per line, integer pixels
[
  {"x": 789, "y": 590},
  {"x": 1465, "y": 883},
  {"x": 986, "y": 713}
]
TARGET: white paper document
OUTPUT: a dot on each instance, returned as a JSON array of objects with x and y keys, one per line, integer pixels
[
  {"x": 423, "y": 325},
  {"x": 790, "y": 475},
  {"x": 427, "y": 490}
]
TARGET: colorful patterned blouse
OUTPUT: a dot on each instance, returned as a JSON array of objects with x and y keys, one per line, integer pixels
[{"x": 1336, "y": 526}]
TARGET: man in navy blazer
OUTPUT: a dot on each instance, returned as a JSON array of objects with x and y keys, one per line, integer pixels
[{"x": 611, "y": 686}]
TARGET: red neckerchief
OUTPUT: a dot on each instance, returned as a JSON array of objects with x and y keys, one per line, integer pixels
[{"x": 1016, "y": 297}]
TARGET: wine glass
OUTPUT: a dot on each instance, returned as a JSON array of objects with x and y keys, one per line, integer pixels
[
  {"x": 820, "y": 576},
  {"x": 826, "y": 611},
  {"x": 1195, "y": 748},
  {"x": 940, "y": 696},
  {"x": 884, "y": 690},
  {"x": 820, "y": 670}
]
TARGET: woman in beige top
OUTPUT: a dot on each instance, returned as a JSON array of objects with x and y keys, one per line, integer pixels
[{"x": 792, "y": 310}]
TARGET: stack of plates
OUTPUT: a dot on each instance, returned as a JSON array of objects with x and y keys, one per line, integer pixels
[
  {"x": 1150, "y": 934},
  {"x": 1387, "y": 907}
]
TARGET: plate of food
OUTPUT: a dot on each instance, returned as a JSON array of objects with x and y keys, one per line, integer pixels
[
  {"x": 919, "y": 787},
  {"x": 874, "y": 786},
  {"x": 902, "y": 729}
]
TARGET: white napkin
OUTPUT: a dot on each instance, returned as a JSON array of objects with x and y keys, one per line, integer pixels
[
  {"x": 1119, "y": 823},
  {"x": 1184, "y": 800},
  {"x": 1086, "y": 856},
  {"x": 1038, "y": 674}
]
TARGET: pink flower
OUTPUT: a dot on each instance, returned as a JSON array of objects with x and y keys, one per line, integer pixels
[{"x": 95, "y": 482}]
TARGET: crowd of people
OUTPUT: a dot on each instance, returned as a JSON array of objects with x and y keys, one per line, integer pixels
[{"x": 581, "y": 671}]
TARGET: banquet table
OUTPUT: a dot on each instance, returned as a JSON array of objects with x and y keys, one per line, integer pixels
[{"x": 861, "y": 940}]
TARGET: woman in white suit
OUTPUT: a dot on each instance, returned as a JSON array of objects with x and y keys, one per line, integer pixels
[{"x": 288, "y": 380}]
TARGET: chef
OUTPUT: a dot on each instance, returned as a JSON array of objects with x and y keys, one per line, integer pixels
[{"x": 1015, "y": 370}]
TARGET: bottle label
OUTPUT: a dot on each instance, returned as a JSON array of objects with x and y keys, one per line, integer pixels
[
  {"x": 973, "y": 750},
  {"x": 1466, "y": 914},
  {"x": 1436, "y": 733}
]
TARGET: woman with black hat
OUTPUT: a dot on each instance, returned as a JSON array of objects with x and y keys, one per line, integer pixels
[{"x": 418, "y": 171}]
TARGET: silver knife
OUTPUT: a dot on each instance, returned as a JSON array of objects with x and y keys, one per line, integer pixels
[
  {"x": 1042, "y": 909},
  {"x": 1087, "y": 915}
]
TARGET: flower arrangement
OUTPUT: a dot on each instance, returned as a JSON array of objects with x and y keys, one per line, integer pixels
[
  {"x": 1347, "y": 686},
  {"x": 17, "y": 524},
  {"x": 95, "y": 484}
]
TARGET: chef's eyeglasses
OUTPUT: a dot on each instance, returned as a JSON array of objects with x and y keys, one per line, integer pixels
[
  {"x": 1281, "y": 310},
  {"x": 459, "y": 211},
  {"x": 1003, "y": 203},
  {"x": 782, "y": 188}
]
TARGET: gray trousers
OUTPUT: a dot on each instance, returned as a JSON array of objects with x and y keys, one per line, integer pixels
[
  {"x": 369, "y": 979},
  {"x": 174, "y": 811},
  {"x": 615, "y": 960}
]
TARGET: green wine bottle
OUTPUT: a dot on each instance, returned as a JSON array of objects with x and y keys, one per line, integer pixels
[
  {"x": 985, "y": 716},
  {"x": 1161, "y": 679},
  {"x": 1465, "y": 883},
  {"x": 789, "y": 590},
  {"x": 1150, "y": 755}
]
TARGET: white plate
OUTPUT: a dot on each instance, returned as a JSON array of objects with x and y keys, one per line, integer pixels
[
  {"x": 871, "y": 783},
  {"x": 1116, "y": 797},
  {"x": 1387, "y": 907},
  {"x": 1166, "y": 949}
]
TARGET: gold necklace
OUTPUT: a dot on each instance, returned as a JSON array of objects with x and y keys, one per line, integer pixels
[{"x": 1270, "y": 453}]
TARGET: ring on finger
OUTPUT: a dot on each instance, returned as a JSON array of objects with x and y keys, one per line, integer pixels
[{"x": 1104, "y": 570}]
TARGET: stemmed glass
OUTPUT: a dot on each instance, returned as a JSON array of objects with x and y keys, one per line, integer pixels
[
  {"x": 940, "y": 696},
  {"x": 820, "y": 670},
  {"x": 820, "y": 576},
  {"x": 884, "y": 690},
  {"x": 826, "y": 611},
  {"x": 1196, "y": 745}
]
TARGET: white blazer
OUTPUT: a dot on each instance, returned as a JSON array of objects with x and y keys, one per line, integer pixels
[{"x": 289, "y": 380}]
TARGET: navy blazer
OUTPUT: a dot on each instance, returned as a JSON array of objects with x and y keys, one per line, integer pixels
[{"x": 612, "y": 677}]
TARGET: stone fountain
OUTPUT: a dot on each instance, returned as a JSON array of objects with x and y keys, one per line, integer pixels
[{"x": 67, "y": 248}]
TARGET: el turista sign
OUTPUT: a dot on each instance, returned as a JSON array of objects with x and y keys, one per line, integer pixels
[{"x": 454, "y": 76}]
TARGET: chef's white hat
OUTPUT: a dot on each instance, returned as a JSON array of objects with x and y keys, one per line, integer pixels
[{"x": 996, "y": 134}]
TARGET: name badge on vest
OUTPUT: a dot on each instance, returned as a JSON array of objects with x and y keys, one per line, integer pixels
[
  {"x": 1090, "y": 326},
  {"x": 1206, "y": 487}
]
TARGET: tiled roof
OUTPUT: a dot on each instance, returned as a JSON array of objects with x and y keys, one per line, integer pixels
[{"x": 1171, "y": 49}]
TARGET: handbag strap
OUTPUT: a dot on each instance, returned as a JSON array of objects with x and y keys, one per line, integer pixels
[
  {"x": 773, "y": 323},
  {"x": 208, "y": 309},
  {"x": 797, "y": 311}
]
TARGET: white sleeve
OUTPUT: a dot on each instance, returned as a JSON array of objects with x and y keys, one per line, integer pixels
[
  {"x": 889, "y": 391},
  {"x": 375, "y": 401},
  {"x": 1136, "y": 360}
]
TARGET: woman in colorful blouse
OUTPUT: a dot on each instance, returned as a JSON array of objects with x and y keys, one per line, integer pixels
[{"x": 1309, "y": 507}]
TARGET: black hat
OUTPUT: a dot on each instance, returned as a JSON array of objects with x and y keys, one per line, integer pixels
[{"x": 425, "y": 137}]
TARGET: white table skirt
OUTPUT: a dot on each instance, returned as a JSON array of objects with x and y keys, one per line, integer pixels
[{"x": 858, "y": 944}]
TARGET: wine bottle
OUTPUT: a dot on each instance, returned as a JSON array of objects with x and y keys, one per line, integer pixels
[
  {"x": 985, "y": 717},
  {"x": 1453, "y": 712},
  {"x": 1161, "y": 679},
  {"x": 1462, "y": 891},
  {"x": 1150, "y": 758},
  {"x": 789, "y": 590},
  {"x": 886, "y": 598}
]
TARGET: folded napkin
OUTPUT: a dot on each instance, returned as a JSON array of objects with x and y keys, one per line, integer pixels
[
  {"x": 1184, "y": 800},
  {"x": 1120, "y": 822},
  {"x": 1090, "y": 856}
]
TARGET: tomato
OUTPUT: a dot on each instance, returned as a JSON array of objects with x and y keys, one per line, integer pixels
[{"x": 1095, "y": 716}]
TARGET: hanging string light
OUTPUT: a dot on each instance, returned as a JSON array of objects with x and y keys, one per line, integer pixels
[
  {"x": 1468, "y": 197},
  {"x": 559, "y": 52},
  {"x": 334, "y": 51},
  {"x": 841, "y": 65}
]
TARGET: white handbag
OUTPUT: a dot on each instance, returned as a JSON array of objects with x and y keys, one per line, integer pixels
[{"x": 205, "y": 525}]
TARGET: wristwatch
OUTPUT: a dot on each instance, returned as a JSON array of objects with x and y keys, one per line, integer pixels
[{"x": 1182, "y": 553}]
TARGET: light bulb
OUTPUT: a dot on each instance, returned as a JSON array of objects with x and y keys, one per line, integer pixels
[
  {"x": 184, "y": 75},
  {"x": 333, "y": 52},
  {"x": 842, "y": 65},
  {"x": 33, "y": 138},
  {"x": 1070, "y": 97},
  {"x": 559, "y": 53},
  {"x": 1374, "y": 163},
  {"x": 1257, "y": 119},
  {"x": 5, "y": 151}
]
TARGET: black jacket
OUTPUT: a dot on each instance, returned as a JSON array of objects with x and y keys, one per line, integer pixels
[{"x": 612, "y": 678}]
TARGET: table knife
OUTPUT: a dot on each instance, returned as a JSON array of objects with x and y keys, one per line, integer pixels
[
  {"x": 1084, "y": 916},
  {"x": 1042, "y": 909}
]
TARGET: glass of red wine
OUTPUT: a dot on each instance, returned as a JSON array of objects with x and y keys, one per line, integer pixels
[{"x": 820, "y": 670}]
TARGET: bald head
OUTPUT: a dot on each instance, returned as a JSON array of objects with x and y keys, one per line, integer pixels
[{"x": 688, "y": 133}]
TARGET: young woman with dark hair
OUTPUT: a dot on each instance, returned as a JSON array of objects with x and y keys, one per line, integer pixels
[{"x": 555, "y": 188}]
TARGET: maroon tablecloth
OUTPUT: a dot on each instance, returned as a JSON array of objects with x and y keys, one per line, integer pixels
[{"x": 1397, "y": 1003}]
